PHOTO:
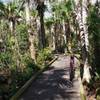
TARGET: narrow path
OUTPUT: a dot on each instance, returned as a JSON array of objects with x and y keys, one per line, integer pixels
[{"x": 54, "y": 84}]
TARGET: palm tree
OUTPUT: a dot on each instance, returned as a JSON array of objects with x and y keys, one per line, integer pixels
[
  {"x": 81, "y": 19},
  {"x": 58, "y": 27},
  {"x": 62, "y": 11},
  {"x": 41, "y": 9},
  {"x": 30, "y": 32},
  {"x": 10, "y": 13}
]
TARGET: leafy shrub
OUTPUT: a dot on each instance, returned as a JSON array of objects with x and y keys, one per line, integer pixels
[
  {"x": 43, "y": 56},
  {"x": 5, "y": 59},
  {"x": 29, "y": 63},
  {"x": 22, "y": 38},
  {"x": 20, "y": 78}
]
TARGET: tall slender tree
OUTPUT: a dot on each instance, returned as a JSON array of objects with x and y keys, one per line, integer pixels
[
  {"x": 81, "y": 18},
  {"x": 30, "y": 32},
  {"x": 41, "y": 9}
]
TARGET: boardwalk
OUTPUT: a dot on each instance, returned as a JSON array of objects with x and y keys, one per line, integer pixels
[{"x": 54, "y": 84}]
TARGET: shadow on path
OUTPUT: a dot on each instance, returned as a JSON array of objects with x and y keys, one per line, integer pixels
[{"x": 51, "y": 85}]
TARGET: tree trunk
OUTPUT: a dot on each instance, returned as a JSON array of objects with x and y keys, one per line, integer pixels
[
  {"x": 42, "y": 39},
  {"x": 86, "y": 75},
  {"x": 56, "y": 36},
  {"x": 11, "y": 26},
  {"x": 68, "y": 36},
  {"x": 53, "y": 38},
  {"x": 42, "y": 30},
  {"x": 30, "y": 33},
  {"x": 81, "y": 18},
  {"x": 65, "y": 37}
]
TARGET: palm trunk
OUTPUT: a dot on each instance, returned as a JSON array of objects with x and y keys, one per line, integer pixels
[
  {"x": 81, "y": 18},
  {"x": 30, "y": 33},
  {"x": 42, "y": 30},
  {"x": 42, "y": 39},
  {"x": 65, "y": 37},
  {"x": 68, "y": 33},
  {"x": 86, "y": 75},
  {"x": 56, "y": 36},
  {"x": 53, "y": 38},
  {"x": 11, "y": 26}
]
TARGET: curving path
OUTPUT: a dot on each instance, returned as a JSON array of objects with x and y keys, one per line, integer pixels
[{"x": 54, "y": 84}]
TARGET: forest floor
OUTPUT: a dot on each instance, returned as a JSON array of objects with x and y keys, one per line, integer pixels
[{"x": 54, "y": 84}]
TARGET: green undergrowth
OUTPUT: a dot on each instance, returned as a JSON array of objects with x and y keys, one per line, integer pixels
[{"x": 83, "y": 97}]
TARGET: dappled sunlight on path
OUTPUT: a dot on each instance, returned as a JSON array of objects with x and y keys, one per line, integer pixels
[{"x": 54, "y": 84}]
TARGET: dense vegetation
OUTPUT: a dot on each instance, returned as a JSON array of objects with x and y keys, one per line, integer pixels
[{"x": 29, "y": 40}]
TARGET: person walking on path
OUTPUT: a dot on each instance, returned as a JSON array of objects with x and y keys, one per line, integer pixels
[{"x": 72, "y": 67}]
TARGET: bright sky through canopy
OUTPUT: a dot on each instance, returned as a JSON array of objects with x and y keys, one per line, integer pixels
[
  {"x": 5, "y": 0},
  {"x": 47, "y": 13}
]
